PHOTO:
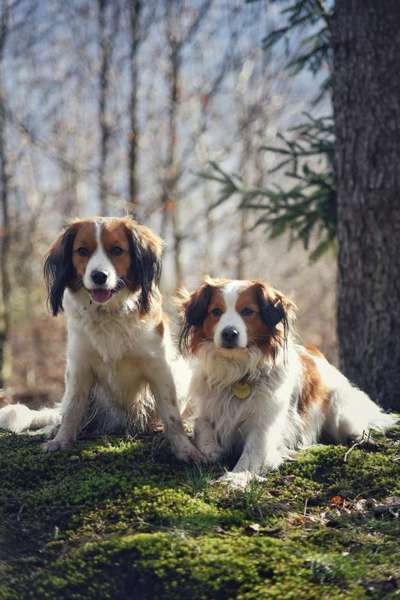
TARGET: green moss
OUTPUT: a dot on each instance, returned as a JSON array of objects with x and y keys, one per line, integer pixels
[
  {"x": 170, "y": 566},
  {"x": 117, "y": 518}
]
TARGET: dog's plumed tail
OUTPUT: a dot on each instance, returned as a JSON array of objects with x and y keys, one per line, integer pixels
[
  {"x": 353, "y": 414},
  {"x": 19, "y": 418}
]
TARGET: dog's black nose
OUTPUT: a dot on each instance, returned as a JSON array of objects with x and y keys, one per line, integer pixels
[
  {"x": 230, "y": 337},
  {"x": 99, "y": 277}
]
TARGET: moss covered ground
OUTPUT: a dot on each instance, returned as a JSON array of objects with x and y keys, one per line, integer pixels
[{"x": 116, "y": 518}]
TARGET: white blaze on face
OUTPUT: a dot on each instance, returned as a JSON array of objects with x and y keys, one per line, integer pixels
[
  {"x": 231, "y": 318},
  {"x": 99, "y": 261}
]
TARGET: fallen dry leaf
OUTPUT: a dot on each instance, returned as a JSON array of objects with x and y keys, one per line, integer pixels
[{"x": 336, "y": 500}]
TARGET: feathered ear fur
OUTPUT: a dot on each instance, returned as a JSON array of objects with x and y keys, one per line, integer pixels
[
  {"x": 145, "y": 272},
  {"x": 58, "y": 268},
  {"x": 274, "y": 307},
  {"x": 194, "y": 308}
]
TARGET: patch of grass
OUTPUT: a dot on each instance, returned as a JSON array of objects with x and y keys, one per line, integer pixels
[
  {"x": 199, "y": 477},
  {"x": 116, "y": 518}
]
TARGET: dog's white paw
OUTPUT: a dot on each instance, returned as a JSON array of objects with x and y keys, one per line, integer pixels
[
  {"x": 57, "y": 444},
  {"x": 238, "y": 481},
  {"x": 211, "y": 454},
  {"x": 185, "y": 450}
]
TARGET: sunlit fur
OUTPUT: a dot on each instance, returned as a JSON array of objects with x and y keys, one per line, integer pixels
[
  {"x": 120, "y": 357},
  {"x": 296, "y": 395}
]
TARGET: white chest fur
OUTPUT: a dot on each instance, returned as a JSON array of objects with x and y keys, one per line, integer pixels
[
  {"x": 117, "y": 345},
  {"x": 112, "y": 331}
]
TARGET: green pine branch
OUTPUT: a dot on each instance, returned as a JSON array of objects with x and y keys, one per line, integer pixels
[{"x": 305, "y": 209}]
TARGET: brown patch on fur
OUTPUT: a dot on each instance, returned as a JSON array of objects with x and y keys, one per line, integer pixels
[
  {"x": 313, "y": 389},
  {"x": 85, "y": 238},
  {"x": 147, "y": 238},
  {"x": 160, "y": 328},
  {"x": 258, "y": 333},
  {"x": 116, "y": 232},
  {"x": 205, "y": 331},
  {"x": 313, "y": 350},
  {"x": 114, "y": 235},
  {"x": 86, "y": 230},
  {"x": 262, "y": 298}
]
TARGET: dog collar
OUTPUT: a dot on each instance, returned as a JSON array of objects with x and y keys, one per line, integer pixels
[{"x": 242, "y": 389}]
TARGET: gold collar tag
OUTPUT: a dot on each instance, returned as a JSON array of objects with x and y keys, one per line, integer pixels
[{"x": 241, "y": 390}]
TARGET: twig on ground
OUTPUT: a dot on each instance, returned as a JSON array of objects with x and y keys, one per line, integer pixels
[
  {"x": 305, "y": 508},
  {"x": 21, "y": 510},
  {"x": 363, "y": 440}
]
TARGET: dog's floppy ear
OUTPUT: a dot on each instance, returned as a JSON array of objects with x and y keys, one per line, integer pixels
[
  {"x": 194, "y": 310},
  {"x": 58, "y": 268},
  {"x": 146, "y": 250},
  {"x": 196, "y": 306},
  {"x": 274, "y": 306}
]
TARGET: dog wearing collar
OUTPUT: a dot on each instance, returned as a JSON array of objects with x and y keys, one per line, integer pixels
[
  {"x": 256, "y": 394},
  {"x": 104, "y": 273}
]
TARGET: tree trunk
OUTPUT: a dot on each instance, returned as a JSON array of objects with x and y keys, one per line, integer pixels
[
  {"x": 242, "y": 245},
  {"x": 172, "y": 167},
  {"x": 135, "y": 7},
  {"x": 366, "y": 47},
  {"x": 170, "y": 200},
  {"x": 104, "y": 80},
  {"x": 5, "y": 233}
]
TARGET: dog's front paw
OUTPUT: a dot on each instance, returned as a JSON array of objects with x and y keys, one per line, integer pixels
[
  {"x": 210, "y": 453},
  {"x": 238, "y": 481},
  {"x": 185, "y": 450},
  {"x": 57, "y": 444}
]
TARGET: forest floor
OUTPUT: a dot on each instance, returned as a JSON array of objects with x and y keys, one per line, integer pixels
[{"x": 115, "y": 518}]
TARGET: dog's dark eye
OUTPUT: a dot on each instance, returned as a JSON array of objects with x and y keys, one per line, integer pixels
[
  {"x": 116, "y": 251},
  {"x": 83, "y": 251},
  {"x": 216, "y": 312},
  {"x": 247, "y": 312}
]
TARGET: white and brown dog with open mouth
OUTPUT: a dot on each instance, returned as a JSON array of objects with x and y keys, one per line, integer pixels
[
  {"x": 255, "y": 392},
  {"x": 104, "y": 273}
]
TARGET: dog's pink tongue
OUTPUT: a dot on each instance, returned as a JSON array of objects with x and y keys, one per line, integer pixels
[{"x": 100, "y": 295}]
